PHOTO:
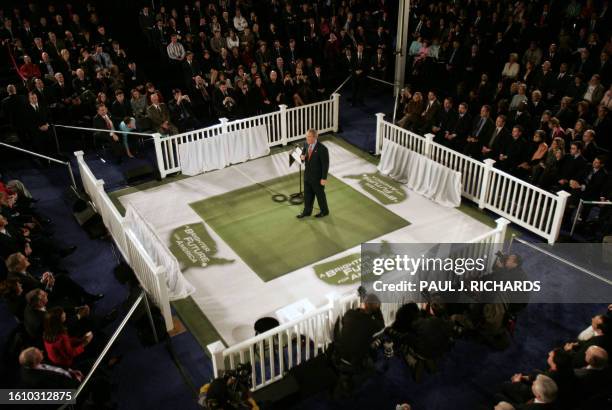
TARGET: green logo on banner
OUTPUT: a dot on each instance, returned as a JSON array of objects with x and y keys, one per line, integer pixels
[
  {"x": 194, "y": 247},
  {"x": 383, "y": 188},
  {"x": 347, "y": 270},
  {"x": 343, "y": 271}
]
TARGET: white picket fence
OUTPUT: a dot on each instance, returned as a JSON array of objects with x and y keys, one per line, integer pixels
[
  {"x": 272, "y": 354},
  {"x": 283, "y": 126},
  {"x": 528, "y": 206},
  {"x": 151, "y": 277}
]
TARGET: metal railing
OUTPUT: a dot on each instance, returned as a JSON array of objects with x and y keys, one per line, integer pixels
[
  {"x": 47, "y": 158},
  {"x": 142, "y": 298}
]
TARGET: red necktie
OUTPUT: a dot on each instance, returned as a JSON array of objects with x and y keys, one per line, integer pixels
[{"x": 309, "y": 152}]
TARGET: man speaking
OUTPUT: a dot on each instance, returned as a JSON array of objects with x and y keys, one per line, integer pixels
[{"x": 316, "y": 158}]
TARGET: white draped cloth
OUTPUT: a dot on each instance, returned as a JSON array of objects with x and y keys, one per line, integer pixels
[
  {"x": 423, "y": 175},
  {"x": 218, "y": 152},
  {"x": 178, "y": 286}
]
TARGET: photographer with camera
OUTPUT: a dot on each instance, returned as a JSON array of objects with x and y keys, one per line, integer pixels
[
  {"x": 354, "y": 341},
  {"x": 229, "y": 392}
]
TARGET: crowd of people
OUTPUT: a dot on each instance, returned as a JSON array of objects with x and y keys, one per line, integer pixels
[
  {"x": 577, "y": 373},
  {"x": 222, "y": 61},
  {"x": 525, "y": 84},
  {"x": 56, "y": 316}
]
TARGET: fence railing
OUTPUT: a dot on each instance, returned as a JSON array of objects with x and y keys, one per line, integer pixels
[
  {"x": 283, "y": 126},
  {"x": 272, "y": 354},
  {"x": 151, "y": 277},
  {"x": 527, "y": 205}
]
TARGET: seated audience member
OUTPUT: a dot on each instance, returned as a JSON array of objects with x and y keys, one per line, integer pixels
[
  {"x": 601, "y": 337},
  {"x": 591, "y": 186},
  {"x": 159, "y": 115},
  {"x": 512, "y": 152},
  {"x": 62, "y": 349},
  {"x": 594, "y": 378},
  {"x": 545, "y": 172},
  {"x": 481, "y": 131},
  {"x": 37, "y": 375},
  {"x": 490, "y": 147},
  {"x": 573, "y": 167},
  {"x": 560, "y": 370},
  {"x": 457, "y": 134},
  {"x": 61, "y": 288},
  {"x": 181, "y": 111},
  {"x": 411, "y": 118},
  {"x": 13, "y": 294},
  {"x": 589, "y": 147},
  {"x": 103, "y": 121}
]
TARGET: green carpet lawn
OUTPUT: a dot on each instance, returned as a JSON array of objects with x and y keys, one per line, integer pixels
[{"x": 273, "y": 242}]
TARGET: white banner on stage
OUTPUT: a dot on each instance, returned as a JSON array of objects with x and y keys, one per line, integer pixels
[
  {"x": 178, "y": 286},
  {"x": 423, "y": 175},
  {"x": 218, "y": 152}
]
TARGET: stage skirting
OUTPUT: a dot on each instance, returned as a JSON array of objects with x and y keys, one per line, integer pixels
[
  {"x": 424, "y": 176},
  {"x": 222, "y": 150}
]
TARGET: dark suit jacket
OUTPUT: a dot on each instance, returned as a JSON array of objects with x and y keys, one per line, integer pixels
[
  {"x": 46, "y": 379},
  {"x": 463, "y": 126},
  {"x": 573, "y": 168},
  {"x": 28, "y": 282},
  {"x": 35, "y": 119},
  {"x": 33, "y": 321},
  {"x": 317, "y": 165}
]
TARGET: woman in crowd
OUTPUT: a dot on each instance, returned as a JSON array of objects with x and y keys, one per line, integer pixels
[{"x": 62, "y": 349}]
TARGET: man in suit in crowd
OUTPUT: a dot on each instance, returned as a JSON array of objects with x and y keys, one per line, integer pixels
[
  {"x": 481, "y": 132},
  {"x": 379, "y": 64},
  {"x": 594, "y": 378},
  {"x": 359, "y": 72},
  {"x": 573, "y": 166},
  {"x": 58, "y": 287},
  {"x": 512, "y": 152},
  {"x": 319, "y": 83},
  {"x": 36, "y": 375},
  {"x": 159, "y": 115},
  {"x": 455, "y": 137},
  {"x": 490, "y": 148},
  {"x": 103, "y": 121},
  {"x": 447, "y": 117},
  {"x": 224, "y": 103},
  {"x": 37, "y": 120},
  {"x": 316, "y": 158},
  {"x": 11, "y": 108},
  {"x": 430, "y": 114}
]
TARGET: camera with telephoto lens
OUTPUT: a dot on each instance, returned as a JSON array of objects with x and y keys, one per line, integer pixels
[{"x": 230, "y": 391}]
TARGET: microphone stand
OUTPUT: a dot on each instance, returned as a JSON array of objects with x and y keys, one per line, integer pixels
[{"x": 298, "y": 197}]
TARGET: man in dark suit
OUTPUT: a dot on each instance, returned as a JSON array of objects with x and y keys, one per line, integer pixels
[
  {"x": 512, "y": 152},
  {"x": 37, "y": 120},
  {"x": 490, "y": 148},
  {"x": 379, "y": 64},
  {"x": 430, "y": 114},
  {"x": 455, "y": 137},
  {"x": 573, "y": 166},
  {"x": 359, "y": 74},
  {"x": 319, "y": 84},
  {"x": 594, "y": 378},
  {"x": 12, "y": 107},
  {"x": 447, "y": 117},
  {"x": 481, "y": 132},
  {"x": 60, "y": 288},
  {"x": 103, "y": 121},
  {"x": 316, "y": 158},
  {"x": 36, "y": 375}
]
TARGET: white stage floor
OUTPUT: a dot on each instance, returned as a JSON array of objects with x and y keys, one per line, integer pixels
[{"x": 232, "y": 296}]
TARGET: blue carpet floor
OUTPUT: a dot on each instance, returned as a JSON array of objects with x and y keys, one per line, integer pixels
[{"x": 149, "y": 377}]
